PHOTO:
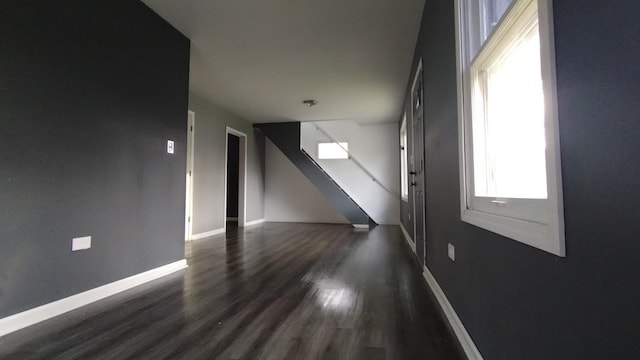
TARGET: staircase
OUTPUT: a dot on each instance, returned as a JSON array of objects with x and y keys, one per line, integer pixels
[{"x": 286, "y": 137}]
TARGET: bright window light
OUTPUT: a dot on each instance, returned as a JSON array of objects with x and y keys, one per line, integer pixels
[
  {"x": 333, "y": 150},
  {"x": 508, "y": 122}
]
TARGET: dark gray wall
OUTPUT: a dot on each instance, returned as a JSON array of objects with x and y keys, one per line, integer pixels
[
  {"x": 90, "y": 91},
  {"x": 233, "y": 168},
  {"x": 518, "y": 302}
]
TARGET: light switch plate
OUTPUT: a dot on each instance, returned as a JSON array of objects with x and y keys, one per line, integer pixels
[
  {"x": 170, "y": 146},
  {"x": 81, "y": 243},
  {"x": 451, "y": 252}
]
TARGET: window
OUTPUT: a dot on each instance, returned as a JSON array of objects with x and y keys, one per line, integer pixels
[
  {"x": 404, "y": 172},
  {"x": 333, "y": 150},
  {"x": 508, "y": 134}
]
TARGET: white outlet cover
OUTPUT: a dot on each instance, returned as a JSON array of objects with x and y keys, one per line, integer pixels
[
  {"x": 81, "y": 243},
  {"x": 451, "y": 252},
  {"x": 170, "y": 146}
]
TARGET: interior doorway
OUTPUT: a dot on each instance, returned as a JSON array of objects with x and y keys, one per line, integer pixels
[
  {"x": 235, "y": 177},
  {"x": 233, "y": 181},
  {"x": 188, "y": 213}
]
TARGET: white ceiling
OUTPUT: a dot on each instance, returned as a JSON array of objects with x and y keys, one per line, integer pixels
[{"x": 261, "y": 58}]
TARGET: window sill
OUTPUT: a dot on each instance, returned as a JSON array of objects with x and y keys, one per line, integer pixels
[{"x": 540, "y": 236}]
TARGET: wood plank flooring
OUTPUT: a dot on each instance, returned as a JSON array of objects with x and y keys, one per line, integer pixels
[{"x": 273, "y": 291}]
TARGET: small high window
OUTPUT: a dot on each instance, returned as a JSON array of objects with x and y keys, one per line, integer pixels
[{"x": 332, "y": 150}]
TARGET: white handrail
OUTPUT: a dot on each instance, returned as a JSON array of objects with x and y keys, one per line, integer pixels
[{"x": 358, "y": 163}]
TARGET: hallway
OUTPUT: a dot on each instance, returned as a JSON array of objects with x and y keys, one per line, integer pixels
[{"x": 274, "y": 291}]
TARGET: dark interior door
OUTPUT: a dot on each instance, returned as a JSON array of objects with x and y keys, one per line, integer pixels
[{"x": 418, "y": 182}]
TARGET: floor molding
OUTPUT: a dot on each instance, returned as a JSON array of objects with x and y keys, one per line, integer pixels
[
  {"x": 360, "y": 226},
  {"x": 410, "y": 242},
  {"x": 254, "y": 222},
  {"x": 463, "y": 336},
  {"x": 41, "y": 313},
  {"x": 208, "y": 234}
]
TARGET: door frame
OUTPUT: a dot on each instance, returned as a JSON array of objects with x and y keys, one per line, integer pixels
[
  {"x": 191, "y": 132},
  {"x": 423, "y": 256},
  {"x": 242, "y": 176},
  {"x": 411, "y": 166}
]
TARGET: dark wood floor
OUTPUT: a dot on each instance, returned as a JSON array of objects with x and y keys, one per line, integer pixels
[{"x": 275, "y": 291}]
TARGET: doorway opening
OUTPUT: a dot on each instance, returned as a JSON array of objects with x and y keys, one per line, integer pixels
[
  {"x": 233, "y": 169},
  {"x": 188, "y": 213},
  {"x": 235, "y": 178}
]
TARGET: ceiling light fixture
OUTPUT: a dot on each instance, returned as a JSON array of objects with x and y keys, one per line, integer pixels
[{"x": 310, "y": 102}]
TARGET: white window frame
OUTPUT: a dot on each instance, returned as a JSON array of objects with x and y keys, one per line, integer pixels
[
  {"x": 544, "y": 230},
  {"x": 404, "y": 160},
  {"x": 343, "y": 145}
]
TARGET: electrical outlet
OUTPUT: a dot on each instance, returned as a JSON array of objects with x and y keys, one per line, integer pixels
[
  {"x": 170, "y": 147},
  {"x": 81, "y": 243},
  {"x": 451, "y": 252}
]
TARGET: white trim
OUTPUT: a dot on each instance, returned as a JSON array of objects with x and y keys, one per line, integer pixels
[
  {"x": 207, "y": 234},
  {"x": 254, "y": 222},
  {"x": 540, "y": 236},
  {"x": 410, "y": 242},
  {"x": 466, "y": 342},
  {"x": 191, "y": 139},
  {"x": 413, "y": 86},
  {"x": 461, "y": 38},
  {"x": 41, "y": 313},
  {"x": 360, "y": 226},
  {"x": 547, "y": 235},
  {"x": 552, "y": 130},
  {"x": 242, "y": 175}
]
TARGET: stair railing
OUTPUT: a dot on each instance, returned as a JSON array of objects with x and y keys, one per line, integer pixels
[
  {"x": 332, "y": 180},
  {"x": 358, "y": 163}
]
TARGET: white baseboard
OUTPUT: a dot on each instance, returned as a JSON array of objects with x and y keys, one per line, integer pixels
[
  {"x": 463, "y": 336},
  {"x": 305, "y": 221},
  {"x": 254, "y": 222},
  {"x": 208, "y": 234},
  {"x": 41, "y": 313},
  {"x": 410, "y": 242},
  {"x": 360, "y": 226}
]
